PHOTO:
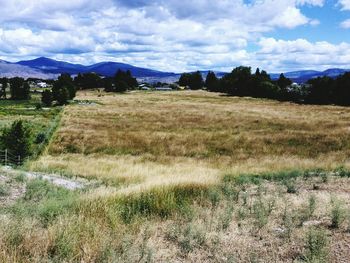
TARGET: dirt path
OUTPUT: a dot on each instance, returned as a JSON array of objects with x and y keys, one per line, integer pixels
[
  {"x": 68, "y": 183},
  {"x": 10, "y": 190}
]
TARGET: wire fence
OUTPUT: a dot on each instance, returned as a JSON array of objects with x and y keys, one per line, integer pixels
[{"x": 7, "y": 158}]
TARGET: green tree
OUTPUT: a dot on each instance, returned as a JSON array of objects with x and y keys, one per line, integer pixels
[
  {"x": 184, "y": 80},
  {"x": 212, "y": 82},
  {"x": 124, "y": 81},
  {"x": 283, "y": 82},
  {"x": 46, "y": 98},
  {"x": 192, "y": 80},
  {"x": 19, "y": 89},
  {"x": 108, "y": 84},
  {"x": 3, "y": 83},
  {"x": 17, "y": 139},
  {"x": 62, "y": 96},
  {"x": 88, "y": 81},
  {"x": 239, "y": 82},
  {"x": 65, "y": 80}
]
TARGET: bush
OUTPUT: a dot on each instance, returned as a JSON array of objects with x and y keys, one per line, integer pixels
[
  {"x": 40, "y": 138},
  {"x": 337, "y": 214},
  {"x": 62, "y": 96},
  {"x": 4, "y": 190},
  {"x": 38, "y": 106},
  {"x": 17, "y": 140},
  {"x": 47, "y": 98},
  {"x": 291, "y": 186},
  {"x": 159, "y": 201},
  {"x": 317, "y": 245}
]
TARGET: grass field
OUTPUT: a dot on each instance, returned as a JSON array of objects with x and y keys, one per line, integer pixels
[
  {"x": 185, "y": 177},
  {"x": 137, "y": 137}
]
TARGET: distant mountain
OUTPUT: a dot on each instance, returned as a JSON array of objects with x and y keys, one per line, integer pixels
[
  {"x": 10, "y": 70},
  {"x": 53, "y": 66},
  {"x": 305, "y": 75},
  {"x": 47, "y": 68},
  {"x": 104, "y": 68}
]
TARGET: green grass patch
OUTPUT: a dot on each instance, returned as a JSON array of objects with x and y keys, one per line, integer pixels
[{"x": 44, "y": 201}]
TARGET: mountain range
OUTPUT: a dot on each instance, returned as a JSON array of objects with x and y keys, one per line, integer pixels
[{"x": 45, "y": 68}]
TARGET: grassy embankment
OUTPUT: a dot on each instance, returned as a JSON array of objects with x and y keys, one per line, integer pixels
[
  {"x": 42, "y": 122},
  {"x": 172, "y": 165}
]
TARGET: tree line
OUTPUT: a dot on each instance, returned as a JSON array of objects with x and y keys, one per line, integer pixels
[
  {"x": 242, "y": 82},
  {"x": 121, "y": 82}
]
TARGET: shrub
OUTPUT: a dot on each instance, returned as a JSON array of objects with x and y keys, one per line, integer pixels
[
  {"x": 47, "y": 98},
  {"x": 40, "y": 138},
  {"x": 159, "y": 201},
  {"x": 317, "y": 245},
  {"x": 288, "y": 223},
  {"x": 193, "y": 236},
  {"x": 17, "y": 140},
  {"x": 226, "y": 217},
  {"x": 337, "y": 214},
  {"x": 62, "y": 96},
  {"x": 342, "y": 172},
  {"x": 38, "y": 106},
  {"x": 312, "y": 205},
  {"x": 4, "y": 190},
  {"x": 291, "y": 186},
  {"x": 260, "y": 213}
]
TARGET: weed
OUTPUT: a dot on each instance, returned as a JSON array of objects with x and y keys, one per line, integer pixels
[
  {"x": 288, "y": 223},
  {"x": 311, "y": 206},
  {"x": 342, "y": 171},
  {"x": 4, "y": 190},
  {"x": 144, "y": 249},
  {"x": 226, "y": 217},
  {"x": 337, "y": 213},
  {"x": 290, "y": 184},
  {"x": 260, "y": 213},
  {"x": 159, "y": 201},
  {"x": 20, "y": 178},
  {"x": 317, "y": 245},
  {"x": 308, "y": 209},
  {"x": 193, "y": 236},
  {"x": 231, "y": 192}
]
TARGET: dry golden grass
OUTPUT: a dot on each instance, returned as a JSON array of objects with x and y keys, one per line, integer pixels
[
  {"x": 142, "y": 137},
  {"x": 162, "y": 157}
]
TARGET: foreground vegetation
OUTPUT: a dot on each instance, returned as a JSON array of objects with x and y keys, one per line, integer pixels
[
  {"x": 184, "y": 177},
  {"x": 284, "y": 217},
  {"x": 39, "y": 124}
]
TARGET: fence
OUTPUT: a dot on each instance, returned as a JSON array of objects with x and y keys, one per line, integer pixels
[{"x": 7, "y": 158}]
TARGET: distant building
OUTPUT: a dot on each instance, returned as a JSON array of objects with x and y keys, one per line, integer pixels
[
  {"x": 144, "y": 87},
  {"x": 42, "y": 85},
  {"x": 164, "y": 88}
]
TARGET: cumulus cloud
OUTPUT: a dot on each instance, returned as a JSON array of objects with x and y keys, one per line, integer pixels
[
  {"x": 300, "y": 53},
  {"x": 163, "y": 34},
  {"x": 345, "y": 24},
  {"x": 345, "y": 4}
]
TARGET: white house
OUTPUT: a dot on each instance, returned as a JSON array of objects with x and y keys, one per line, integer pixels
[{"x": 42, "y": 85}]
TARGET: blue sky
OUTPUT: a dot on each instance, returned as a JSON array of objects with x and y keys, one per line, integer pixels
[{"x": 173, "y": 35}]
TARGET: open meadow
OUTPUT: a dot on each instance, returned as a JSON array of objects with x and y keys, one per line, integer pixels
[
  {"x": 187, "y": 176},
  {"x": 154, "y": 138}
]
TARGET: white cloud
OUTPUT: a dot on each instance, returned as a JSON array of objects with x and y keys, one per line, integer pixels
[
  {"x": 300, "y": 53},
  {"x": 345, "y": 4},
  {"x": 345, "y": 24},
  {"x": 163, "y": 34}
]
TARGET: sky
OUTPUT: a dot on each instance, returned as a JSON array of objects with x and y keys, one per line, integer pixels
[{"x": 180, "y": 35}]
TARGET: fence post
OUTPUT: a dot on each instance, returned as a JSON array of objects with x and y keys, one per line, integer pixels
[
  {"x": 19, "y": 160},
  {"x": 5, "y": 157}
]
